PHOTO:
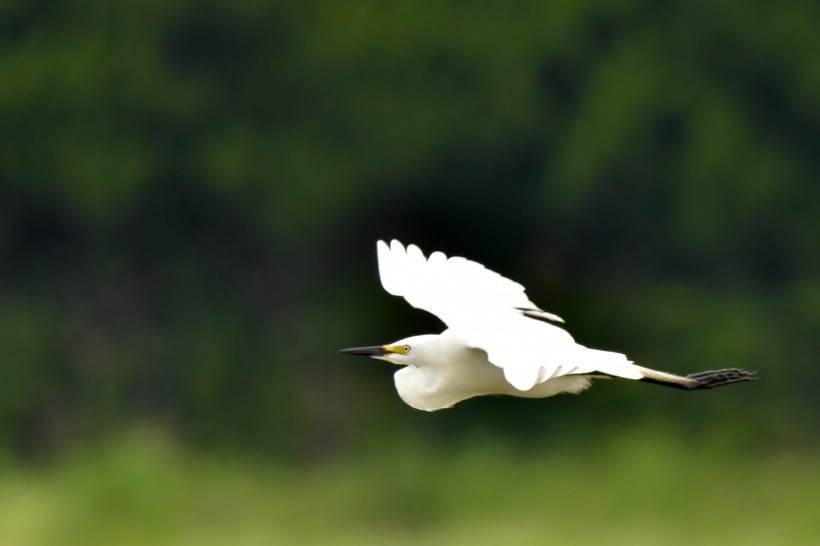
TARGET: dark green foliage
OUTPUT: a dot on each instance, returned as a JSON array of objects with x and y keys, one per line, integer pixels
[{"x": 190, "y": 193}]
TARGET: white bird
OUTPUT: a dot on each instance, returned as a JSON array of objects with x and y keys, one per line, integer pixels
[{"x": 497, "y": 341}]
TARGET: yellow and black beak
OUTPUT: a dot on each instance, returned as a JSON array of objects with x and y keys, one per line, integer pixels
[{"x": 374, "y": 351}]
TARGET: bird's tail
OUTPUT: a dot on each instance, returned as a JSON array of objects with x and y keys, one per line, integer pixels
[{"x": 699, "y": 380}]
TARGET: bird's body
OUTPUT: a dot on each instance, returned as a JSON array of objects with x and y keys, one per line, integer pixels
[
  {"x": 476, "y": 377},
  {"x": 497, "y": 341},
  {"x": 455, "y": 372}
]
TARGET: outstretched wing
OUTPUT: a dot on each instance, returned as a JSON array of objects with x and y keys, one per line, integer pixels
[{"x": 489, "y": 312}]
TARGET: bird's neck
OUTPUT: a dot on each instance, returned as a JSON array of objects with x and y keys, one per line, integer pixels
[
  {"x": 429, "y": 390},
  {"x": 418, "y": 389}
]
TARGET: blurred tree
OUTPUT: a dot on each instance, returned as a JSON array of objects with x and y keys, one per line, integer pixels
[{"x": 189, "y": 193}]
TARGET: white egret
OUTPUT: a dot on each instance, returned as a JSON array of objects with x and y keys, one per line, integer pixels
[{"x": 497, "y": 341}]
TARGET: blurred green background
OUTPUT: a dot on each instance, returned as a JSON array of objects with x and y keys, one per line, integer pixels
[{"x": 190, "y": 196}]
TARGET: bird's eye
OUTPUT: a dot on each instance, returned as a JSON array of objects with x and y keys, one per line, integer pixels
[{"x": 405, "y": 349}]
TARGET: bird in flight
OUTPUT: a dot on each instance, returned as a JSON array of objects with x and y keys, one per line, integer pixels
[{"x": 497, "y": 341}]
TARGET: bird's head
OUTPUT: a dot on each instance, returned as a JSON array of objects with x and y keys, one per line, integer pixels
[{"x": 410, "y": 351}]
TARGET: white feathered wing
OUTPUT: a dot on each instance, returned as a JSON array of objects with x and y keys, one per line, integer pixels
[{"x": 492, "y": 313}]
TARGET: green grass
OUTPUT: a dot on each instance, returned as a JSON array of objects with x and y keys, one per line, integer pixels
[{"x": 638, "y": 490}]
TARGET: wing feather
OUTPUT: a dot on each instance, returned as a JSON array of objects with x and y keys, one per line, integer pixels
[{"x": 490, "y": 312}]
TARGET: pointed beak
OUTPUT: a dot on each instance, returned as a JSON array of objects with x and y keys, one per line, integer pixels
[{"x": 374, "y": 351}]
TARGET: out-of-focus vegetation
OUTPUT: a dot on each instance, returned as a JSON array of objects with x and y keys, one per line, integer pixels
[
  {"x": 634, "y": 491},
  {"x": 190, "y": 193}
]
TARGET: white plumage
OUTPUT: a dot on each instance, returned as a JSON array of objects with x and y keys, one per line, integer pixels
[{"x": 497, "y": 341}]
